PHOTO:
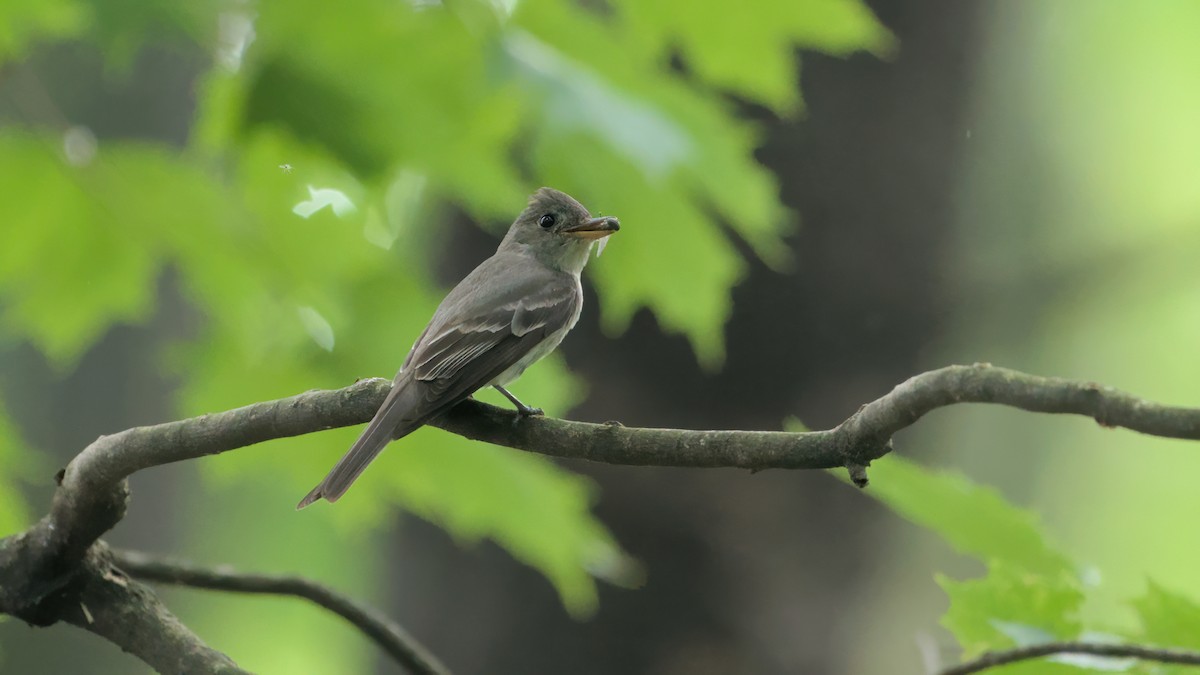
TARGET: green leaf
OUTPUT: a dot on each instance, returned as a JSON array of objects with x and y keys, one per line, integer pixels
[
  {"x": 974, "y": 519},
  {"x": 753, "y": 53},
  {"x": 447, "y": 118},
  {"x": 1029, "y": 582},
  {"x": 544, "y": 520},
  {"x": 1168, "y": 619},
  {"x": 79, "y": 219},
  {"x": 982, "y": 609}
]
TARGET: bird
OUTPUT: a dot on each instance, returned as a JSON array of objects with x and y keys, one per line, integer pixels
[{"x": 509, "y": 312}]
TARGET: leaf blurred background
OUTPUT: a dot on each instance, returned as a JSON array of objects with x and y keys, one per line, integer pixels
[{"x": 210, "y": 204}]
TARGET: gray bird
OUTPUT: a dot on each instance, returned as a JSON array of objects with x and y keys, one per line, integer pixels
[{"x": 511, "y": 311}]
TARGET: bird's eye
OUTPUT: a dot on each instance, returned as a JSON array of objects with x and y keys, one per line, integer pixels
[{"x": 546, "y": 220}]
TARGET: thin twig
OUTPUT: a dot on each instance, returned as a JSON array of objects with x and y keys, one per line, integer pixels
[
  {"x": 994, "y": 659},
  {"x": 393, "y": 639}
]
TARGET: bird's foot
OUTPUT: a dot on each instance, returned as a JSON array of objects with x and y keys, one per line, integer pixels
[{"x": 524, "y": 410}]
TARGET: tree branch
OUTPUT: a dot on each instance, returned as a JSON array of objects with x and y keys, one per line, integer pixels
[
  {"x": 995, "y": 659},
  {"x": 863, "y": 437},
  {"x": 386, "y": 633},
  {"x": 100, "y": 599},
  {"x": 45, "y": 559}
]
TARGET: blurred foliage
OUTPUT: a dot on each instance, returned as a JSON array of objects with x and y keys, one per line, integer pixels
[
  {"x": 15, "y": 461},
  {"x": 1092, "y": 274},
  {"x": 24, "y": 22},
  {"x": 1032, "y": 591},
  {"x": 1075, "y": 255},
  {"x": 303, "y": 214}
]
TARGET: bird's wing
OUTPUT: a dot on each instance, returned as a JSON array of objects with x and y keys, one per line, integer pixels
[
  {"x": 475, "y": 338},
  {"x": 475, "y": 344}
]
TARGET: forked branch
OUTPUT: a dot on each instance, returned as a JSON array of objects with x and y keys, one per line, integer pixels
[{"x": 38, "y": 567}]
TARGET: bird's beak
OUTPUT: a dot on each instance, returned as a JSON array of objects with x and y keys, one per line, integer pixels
[{"x": 596, "y": 228}]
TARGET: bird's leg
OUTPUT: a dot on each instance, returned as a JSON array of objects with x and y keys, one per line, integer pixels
[{"x": 521, "y": 407}]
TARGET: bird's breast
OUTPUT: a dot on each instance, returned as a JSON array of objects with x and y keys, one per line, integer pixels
[{"x": 547, "y": 345}]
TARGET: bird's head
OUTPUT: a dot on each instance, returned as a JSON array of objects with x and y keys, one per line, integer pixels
[{"x": 558, "y": 230}]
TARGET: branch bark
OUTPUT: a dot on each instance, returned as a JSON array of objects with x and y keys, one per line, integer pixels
[
  {"x": 996, "y": 659},
  {"x": 386, "y": 633},
  {"x": 41, "y": 563},
  {"x": 101, "y": 599}
]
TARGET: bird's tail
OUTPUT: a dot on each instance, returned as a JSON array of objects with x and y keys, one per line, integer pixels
[{"x": 388, "y": 424}]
